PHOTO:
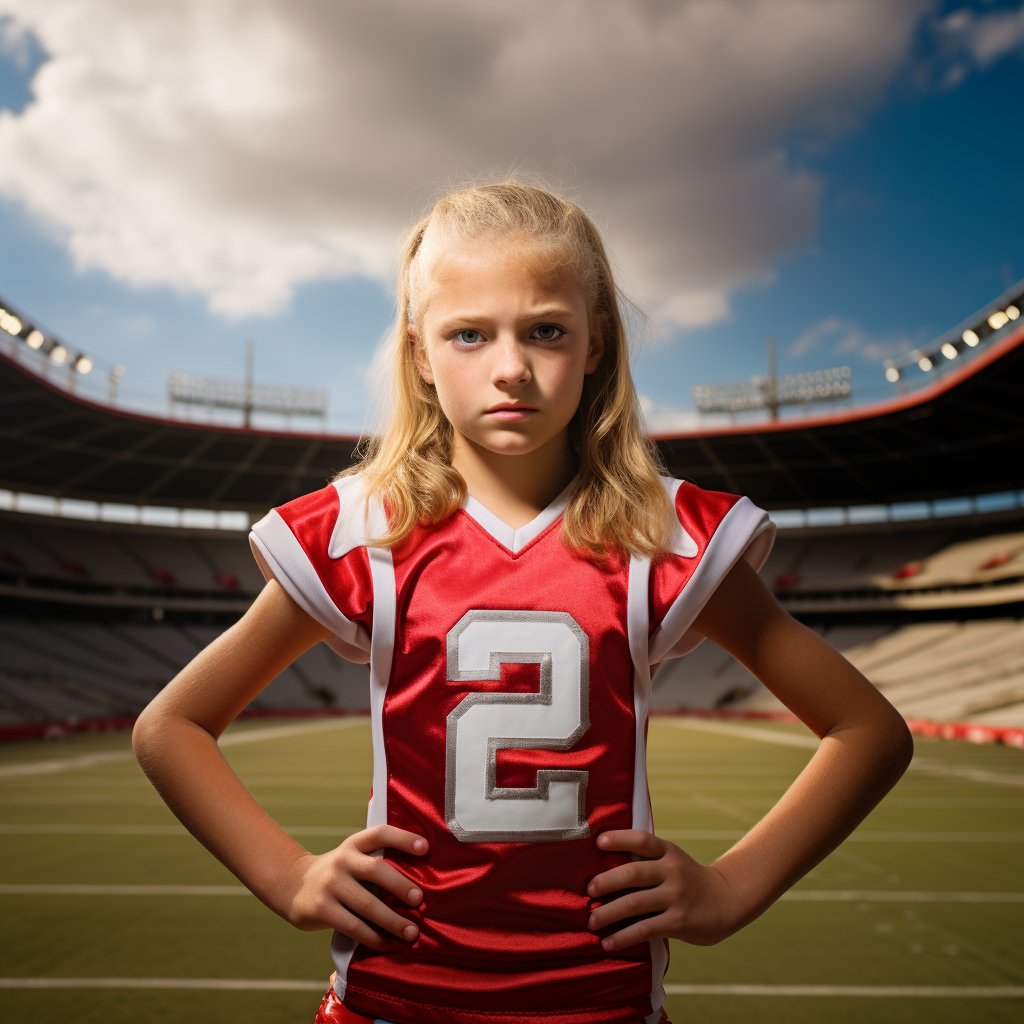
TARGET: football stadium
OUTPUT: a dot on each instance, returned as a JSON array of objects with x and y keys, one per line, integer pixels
[{"x": 123, "y": 552}]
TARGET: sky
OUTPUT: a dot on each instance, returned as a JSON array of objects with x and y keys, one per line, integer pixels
[{"x": 177, "y": 178}]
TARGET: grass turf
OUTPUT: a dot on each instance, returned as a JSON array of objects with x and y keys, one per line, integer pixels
[{"x": 700, "y": 781}]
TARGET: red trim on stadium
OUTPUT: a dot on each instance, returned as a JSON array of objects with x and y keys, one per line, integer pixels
[
  {"x": 165, "y": 421},
  {"x": 864, "y": 412},
  {"x": 890, "y": 405}
]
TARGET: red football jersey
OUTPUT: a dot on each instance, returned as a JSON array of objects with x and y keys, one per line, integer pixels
[{"x": 509, "y": 689}]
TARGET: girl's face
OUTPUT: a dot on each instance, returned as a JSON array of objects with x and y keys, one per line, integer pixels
[{"x": 505, "y": 343}]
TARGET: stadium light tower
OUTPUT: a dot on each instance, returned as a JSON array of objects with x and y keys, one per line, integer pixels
[
  {"x": 773, "y": 392},
  {"x": 245, "y": 395}
]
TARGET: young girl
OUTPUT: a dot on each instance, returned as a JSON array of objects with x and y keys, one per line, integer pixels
[{"x": 511, "y": 564}]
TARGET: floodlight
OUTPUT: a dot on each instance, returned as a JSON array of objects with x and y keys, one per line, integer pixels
[
  {"x": 892, "y": 374},
  {"x": 35, "y": 339},
  {"x": 59, "y": 354},
  {"x": 949, "y": 351},
  {"x": 116, "y": 373},
  {"x": 970, "y": 338},
  {"x": 998, "y": 319},
  {"x": 925, "y": 363},
  {"x": 1012, "y": 312},
  {"x": 83, "y": 364},
  {"x": 10, "y": 323}
]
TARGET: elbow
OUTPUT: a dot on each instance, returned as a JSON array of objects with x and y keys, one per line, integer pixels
[
  {"x": 898, "y": 744},
  {"x": 145, "y": 733},
  {"x": 140, "y": 735}
]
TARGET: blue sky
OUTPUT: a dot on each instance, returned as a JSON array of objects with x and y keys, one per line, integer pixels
[{"x": 918, "y": 221}]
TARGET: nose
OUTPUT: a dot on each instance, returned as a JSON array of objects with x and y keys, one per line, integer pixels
[{"x": 510, "y": 366}]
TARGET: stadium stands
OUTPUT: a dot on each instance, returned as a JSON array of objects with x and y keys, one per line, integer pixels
[
  {"x": 53, "y": 666},
  {"x": 96, "y": 616}
]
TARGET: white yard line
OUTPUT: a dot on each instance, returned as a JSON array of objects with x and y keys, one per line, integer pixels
[
  {"x": 229, "y": 984},
  {"x": 289, "y": 985},
  {"x": 787, "y": 739},
  {"x": 882, "y": 991},
  {"x": 31, "y": 889},
  {"x": 883, "y": 896},
  {"x": 793, "y": 896},
  {"x": 88, "y": 829},
  {"x": 699, "y": 834},
  {"x": 235, "y": 739}
]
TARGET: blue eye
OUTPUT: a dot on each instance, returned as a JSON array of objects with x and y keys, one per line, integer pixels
[
  {"x": 547, "y": 332},
  {"x": 469, "y": 336}
]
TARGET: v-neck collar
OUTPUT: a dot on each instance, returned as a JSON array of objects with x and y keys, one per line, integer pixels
[{"x": 516, "y": 540}]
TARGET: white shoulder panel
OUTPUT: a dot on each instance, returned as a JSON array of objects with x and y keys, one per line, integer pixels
[
  {"x": 744, "y": 532},
  {"x": 680, "y": 542},
  {"x": 280, "y": 556},
  {"x": 356, "y": 523}
]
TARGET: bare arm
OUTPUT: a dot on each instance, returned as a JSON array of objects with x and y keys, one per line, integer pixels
[
  {"x": 175, "y": 740},
  {"x": 865, "y": 748}
]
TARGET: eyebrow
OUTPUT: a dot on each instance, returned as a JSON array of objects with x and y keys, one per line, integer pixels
[{"x": 554, "y": 313}]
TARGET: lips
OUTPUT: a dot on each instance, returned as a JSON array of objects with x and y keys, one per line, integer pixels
[{"x": 511, "y": 411}]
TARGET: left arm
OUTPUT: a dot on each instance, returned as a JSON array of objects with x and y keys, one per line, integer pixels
[{"x": 865, "y": 748}]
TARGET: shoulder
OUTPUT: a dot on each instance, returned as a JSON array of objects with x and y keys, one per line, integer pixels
[
  {"x": 713, "y": 530},
  {"x": 333, "y": 521},
  {"x": 706, "y": 516}
]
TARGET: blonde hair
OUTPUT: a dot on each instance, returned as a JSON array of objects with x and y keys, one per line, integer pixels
[{"x": 619, "y": 503}]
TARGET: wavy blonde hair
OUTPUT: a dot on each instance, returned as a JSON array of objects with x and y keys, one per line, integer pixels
[{"x": 618, "y": 503}]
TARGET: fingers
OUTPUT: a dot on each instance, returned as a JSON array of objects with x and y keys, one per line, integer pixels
[
  {"x": 633, "y": 840},
  {"x": 379, "y": 836},
  {"x": 639, "y": 931},
  {"x": 358, "y": 900},
  {"x": 630, "y": 904},
  {"x": 340, "y": 919},
  {"x": 641, "y": 873}
]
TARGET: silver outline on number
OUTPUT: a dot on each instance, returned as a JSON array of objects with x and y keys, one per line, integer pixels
[{"x": 545, "y": 776}]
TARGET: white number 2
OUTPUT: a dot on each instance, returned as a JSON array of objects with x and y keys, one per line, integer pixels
[{"x": 476, "y": 808}]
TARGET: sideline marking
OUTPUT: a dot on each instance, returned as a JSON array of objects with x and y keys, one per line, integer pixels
[
  {"x": 32, "y": 889},
  {"x": 697, "y": 834},
  {"x": 794, "y": 895},
  {"x": 230, "y": 984},
  {"x": 920, "y": 764},
  {"x": 65, "y": 764},
  {"x": 933, "y": 991},
  {"x": 74, "y": 829},
  {"x": 867, "y": 896},
  {"x": 288, "y": 985}
]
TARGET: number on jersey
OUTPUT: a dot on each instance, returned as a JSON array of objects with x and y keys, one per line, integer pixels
[{"x": 476, "y": 808}]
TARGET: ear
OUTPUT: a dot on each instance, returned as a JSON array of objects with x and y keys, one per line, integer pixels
[
  {"x": 419, "y": 354},
  {"x": 596, "y": 349}
]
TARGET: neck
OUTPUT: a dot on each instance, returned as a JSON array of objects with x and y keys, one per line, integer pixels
[{"x": 515, "y": 487}]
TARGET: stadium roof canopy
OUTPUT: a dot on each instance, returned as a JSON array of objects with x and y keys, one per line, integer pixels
[{"x": 962, "y": 435}]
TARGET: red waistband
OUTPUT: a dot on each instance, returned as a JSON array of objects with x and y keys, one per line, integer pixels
[{"x": 334, "y": 1011}]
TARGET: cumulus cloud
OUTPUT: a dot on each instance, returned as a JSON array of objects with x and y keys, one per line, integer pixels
[
  {"x": 838, "y": 336},
  {"x": 235, "y": 149},
  {"x": 664, "y": 419}
]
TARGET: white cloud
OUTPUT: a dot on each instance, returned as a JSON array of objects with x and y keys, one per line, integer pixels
[
  {"x": 844, "y": 337},
  {"x": 984, "y": 38},
  {"x": 664, "y": 419},
  {"x": 235, "y": 149}
]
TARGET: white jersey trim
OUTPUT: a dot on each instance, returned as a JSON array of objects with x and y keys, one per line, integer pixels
[
  {"x": 280, "y": 556},
  {"x": 357, "y": 520},
  {"x": 516, "y": 540},
  {"x": 637, "y": 625},
  {"x": 744, "y": 532},
  {"x": 382, "y": 649}
]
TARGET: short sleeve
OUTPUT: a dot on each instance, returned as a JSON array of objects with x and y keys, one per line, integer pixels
[
  {"x": 713, "y": 531},
  {"x": 315, "y": 547}
]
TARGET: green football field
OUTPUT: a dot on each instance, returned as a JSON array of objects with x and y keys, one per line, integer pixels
[{"x": 918, "y": 917}]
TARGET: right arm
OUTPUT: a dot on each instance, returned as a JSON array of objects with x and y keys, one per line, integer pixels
[{"x": 175, "y": 741}]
